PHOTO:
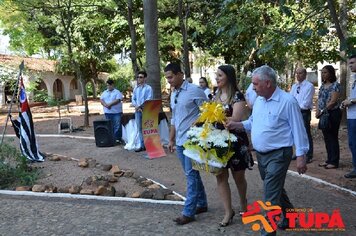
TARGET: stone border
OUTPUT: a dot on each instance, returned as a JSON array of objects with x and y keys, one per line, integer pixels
[
  {"x": 293, "y": 173},
  {"x": 89, "y": 197}
]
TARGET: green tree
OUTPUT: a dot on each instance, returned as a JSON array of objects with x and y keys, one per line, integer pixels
[{"x": 77, "y": 28}]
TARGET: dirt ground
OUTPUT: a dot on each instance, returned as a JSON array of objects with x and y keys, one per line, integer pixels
[{"x": 46, "y": 122}]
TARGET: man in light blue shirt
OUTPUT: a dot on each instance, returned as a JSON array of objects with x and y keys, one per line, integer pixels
[
  {"x": 185, "y": 101},
  {"x": 304, "y": 91},
  {"x": 141, "y": 93},
  {"x": 276, "y": 124},
  {"x": 112, "y": 105}
]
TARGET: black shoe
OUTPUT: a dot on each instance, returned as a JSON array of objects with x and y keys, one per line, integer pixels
[
  {"x": 200, "y": 210},
  {"x": 283, "y": 225},
  {"x": 224, "y": 224},
  {"x": 140, "y": 149},
  {"x": 294, "y": 158},
  {"x": 120, "y": 142},
  {"x": 350, "y": 175},
  {"x": 309, "y": 161}
]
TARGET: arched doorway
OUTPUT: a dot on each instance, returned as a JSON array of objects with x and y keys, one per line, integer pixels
[
  {"x": 41, "y": 92},
  {"x": 74, "y": 88},
  {"x": 41, "y": 85},
  {"x": 58, "y": 89}
]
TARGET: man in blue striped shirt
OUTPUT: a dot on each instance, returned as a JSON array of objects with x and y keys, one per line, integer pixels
[
  {"x": 141, "y": 93},
  {"x": 185, "y": 101},
  {"x": 276, "y": 124}
]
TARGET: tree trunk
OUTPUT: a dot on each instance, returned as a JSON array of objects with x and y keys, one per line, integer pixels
[
  {"x": 67, "y": 23},
  {"x": 340, "y": 22},
  {"x": 94, "y": 72},
  {"x": 84, "y": 93},
  {"x": 151, "y": 43},
  {"x": 133, "y": 54},
  {"x": 343, "y": 53},
  {"x": 183, "y": 19}
]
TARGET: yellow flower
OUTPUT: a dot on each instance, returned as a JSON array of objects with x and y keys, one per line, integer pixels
[{"x": 211, "y": 112}]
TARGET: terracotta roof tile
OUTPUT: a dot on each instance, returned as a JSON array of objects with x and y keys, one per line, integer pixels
[{"x": 35, "y": 64}]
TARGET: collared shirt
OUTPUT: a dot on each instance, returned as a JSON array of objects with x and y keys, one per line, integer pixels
[
  {"x": 351, "y": 110},
  {"x": 250, "y": 95},
  {"x": 276, "y": 123},
  {"x": 304, "y": 93},
  {"x": 185, "y": 103},
  {"x": 207, "y": 92},
  {"x": 110, "y": 96},
  {"x": 141, "y": 93}
]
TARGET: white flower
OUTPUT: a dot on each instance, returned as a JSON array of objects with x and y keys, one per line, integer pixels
[{"x": 216, "y": 137}]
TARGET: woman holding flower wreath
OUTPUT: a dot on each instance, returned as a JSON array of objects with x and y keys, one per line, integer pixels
[{"x": 236, "y": 109}]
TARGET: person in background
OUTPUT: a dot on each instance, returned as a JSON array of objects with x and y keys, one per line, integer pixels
[
  {"x": 111, "y": 99},
  {"x": 203, "y": 83},
  {"x": 328, "y": 101},
  {"x": 350, "y": 104},
  {"x": 185, "y": 101},
  {"x": 250, "y": 96},
  {"x": 304, "y": 91},
  {"x": 276, "y": 124},
  {"x": 235, "y": 107},
  {"x": 141, "y": 93}
]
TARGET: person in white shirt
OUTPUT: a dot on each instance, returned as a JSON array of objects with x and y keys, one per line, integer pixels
[
  {"x": 304, "y": 91},
  {"x": 250, "y": 96},
  {"x": 350, "y": 104},
  {"x": 141, "y": 93},
  {"x": 111, "y": 99},
  {"x": 276, "y": 124},
  {"x": 203, "y": 83}
]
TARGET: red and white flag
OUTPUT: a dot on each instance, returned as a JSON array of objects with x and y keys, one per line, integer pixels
[{"x": 28, "y": 143}]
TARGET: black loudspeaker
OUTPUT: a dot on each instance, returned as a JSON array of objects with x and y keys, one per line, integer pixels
[{"x": 104, "y": 133}]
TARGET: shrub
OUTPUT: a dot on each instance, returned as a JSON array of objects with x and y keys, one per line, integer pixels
[
  {"x": 14, "y": 169},
  {"x": 40, "y": 96}
]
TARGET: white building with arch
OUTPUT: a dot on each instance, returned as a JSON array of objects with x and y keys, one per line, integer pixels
[{"x": 57, "y": 85}]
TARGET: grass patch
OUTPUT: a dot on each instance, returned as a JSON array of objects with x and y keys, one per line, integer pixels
[{"x": 14, "y": 168}]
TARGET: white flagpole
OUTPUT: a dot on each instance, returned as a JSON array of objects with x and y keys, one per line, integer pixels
[{"x": 22, "y": 66}]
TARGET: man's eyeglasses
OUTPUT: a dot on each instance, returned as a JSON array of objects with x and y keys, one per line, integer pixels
[
  {"x": 140, "y": 77},
  {"x": 298, "y": 89},
  {"x": 176, "y": 97}
]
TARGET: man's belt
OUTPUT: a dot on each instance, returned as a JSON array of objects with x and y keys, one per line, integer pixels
[
  {"x": 304, "y": 110},
  {"x": 274, "y": 150}
]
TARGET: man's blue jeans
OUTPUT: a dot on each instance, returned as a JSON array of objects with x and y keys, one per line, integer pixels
[
  {"x": 116, "y": 123},
  {"x": 351, "y": 130},
  {"x": 195, "y": 195},
  {"x": 138, "y": 119}
]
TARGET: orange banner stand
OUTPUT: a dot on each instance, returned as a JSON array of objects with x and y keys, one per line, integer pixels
[{"x": 150, "y": 132}]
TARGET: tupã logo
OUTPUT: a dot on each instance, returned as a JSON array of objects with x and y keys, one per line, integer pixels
[
  {"x": 148, "y": 124},
  {"x": 255, "y": 215}
]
